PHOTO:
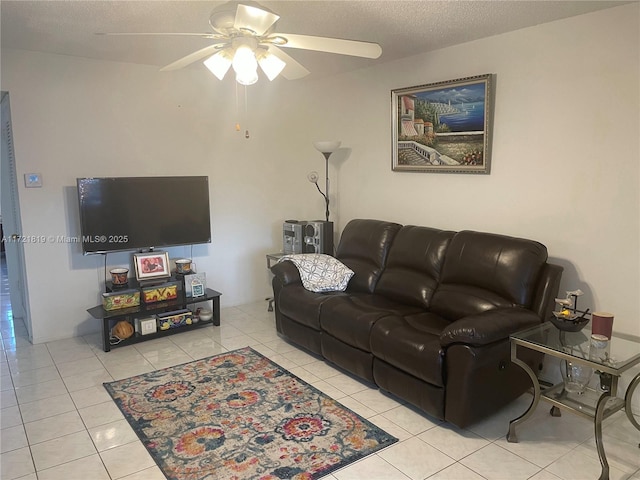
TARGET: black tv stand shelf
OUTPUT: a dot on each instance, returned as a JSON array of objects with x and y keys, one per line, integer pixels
[{"x": 111, "y": 317}]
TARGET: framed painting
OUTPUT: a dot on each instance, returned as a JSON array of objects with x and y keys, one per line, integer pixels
[
  {"x": 443, "y": 127},
  {"x": 151, "y": 265}
]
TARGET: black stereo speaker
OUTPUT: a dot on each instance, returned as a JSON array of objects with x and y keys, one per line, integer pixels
[
  {"x": 317, "y": 237},
  {"x": 292, "y": 231}
]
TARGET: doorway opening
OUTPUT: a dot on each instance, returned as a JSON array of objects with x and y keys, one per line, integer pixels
[{"x": 16, "y": 317}]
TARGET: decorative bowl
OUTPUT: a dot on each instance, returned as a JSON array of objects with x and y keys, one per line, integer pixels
[
  {"x": 119, "y": 276},
  {"x": 183, "y": 265},
  {"x": 205, "y": 315},
  {"x": 570, "y": 323}
]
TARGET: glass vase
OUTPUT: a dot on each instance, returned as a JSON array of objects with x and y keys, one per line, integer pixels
[{"x": 576, "y": 376}]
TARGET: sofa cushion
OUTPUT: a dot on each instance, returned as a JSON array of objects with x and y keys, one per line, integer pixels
[
  {"x": 411, "y": 344},
  {"x": 301, "y": 305},
  {"x": 320, "y": 272},
  {"x": 456, "y": 301},
  {"x": 413, "y": 266},
  {"x": 483, "y": 271},
  {"x": 363, "y": 247},
  {"x": 350, "y": 318}
]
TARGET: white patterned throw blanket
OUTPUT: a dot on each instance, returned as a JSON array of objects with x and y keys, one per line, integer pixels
[{"x": 320, "y": 272}]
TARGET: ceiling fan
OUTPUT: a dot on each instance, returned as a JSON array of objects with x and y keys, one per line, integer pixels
[{"x": 244, "y": 37}]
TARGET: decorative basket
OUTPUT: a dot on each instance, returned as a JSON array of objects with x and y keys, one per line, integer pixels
[
  {"x": 121, "y": 299},
  {"x": 176, "y": 319},
  {"x": 160, "y": 293}
]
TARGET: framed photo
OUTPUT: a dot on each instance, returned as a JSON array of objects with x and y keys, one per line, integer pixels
[
  {"x": 195, "y": 285},
  {"x": 443, "y": 127},
  {"x": 151, "y": 265}
]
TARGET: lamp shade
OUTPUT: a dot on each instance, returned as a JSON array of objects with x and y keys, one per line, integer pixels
[
  {"x": 271, "y": 65},
  {"x": 218, "y": 64},
  {"x": 327, "y": 146}
]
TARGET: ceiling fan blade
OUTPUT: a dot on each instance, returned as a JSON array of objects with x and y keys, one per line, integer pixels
[
  {"x": 293, "y": 70},
  {"x": 158, "y": 34},
  {"x": 193, "y": 57},
  {"x": 255, "y": 19},
  {"x": 332, "y": 45}
]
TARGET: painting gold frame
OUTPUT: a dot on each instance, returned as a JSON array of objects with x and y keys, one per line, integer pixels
[{"x": 443, "y": 127}]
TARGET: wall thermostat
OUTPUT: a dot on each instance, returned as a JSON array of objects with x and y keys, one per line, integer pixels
[{"x": 32, "y": 180}]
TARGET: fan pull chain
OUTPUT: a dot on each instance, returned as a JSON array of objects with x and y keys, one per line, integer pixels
[
  {"x": 246, "y": 112},
  {"x": 237, "y": 109}
]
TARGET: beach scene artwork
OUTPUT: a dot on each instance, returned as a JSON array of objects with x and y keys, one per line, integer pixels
[{"x": 443, "y": 127}]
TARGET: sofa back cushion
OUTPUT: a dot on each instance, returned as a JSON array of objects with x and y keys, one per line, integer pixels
[
  {"x": 483, "y": 271},
  {"x": 414, "y": 265},
  {"x": 364, "y": 246}
]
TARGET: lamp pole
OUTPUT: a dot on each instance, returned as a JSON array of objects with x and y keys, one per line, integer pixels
[
  {"x": 326, "y": 148},
  {"x": 326, "y": 182}
]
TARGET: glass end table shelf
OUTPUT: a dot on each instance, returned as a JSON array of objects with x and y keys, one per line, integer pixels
[
  {"x": 272, "y": 259},
  {"x": 623, "y": 353}
]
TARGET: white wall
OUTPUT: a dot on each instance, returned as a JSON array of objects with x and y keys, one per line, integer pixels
[
  {"x": 565, "y": 162},
  {"x": 74, "y": 117}
]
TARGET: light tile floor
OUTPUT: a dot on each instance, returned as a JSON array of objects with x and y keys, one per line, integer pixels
[{"x": 58, "y": 423}]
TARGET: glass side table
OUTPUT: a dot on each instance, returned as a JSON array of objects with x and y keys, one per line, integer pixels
[
  {"x": 272, "y": 259},
  {"x": 596, "y": 404}
]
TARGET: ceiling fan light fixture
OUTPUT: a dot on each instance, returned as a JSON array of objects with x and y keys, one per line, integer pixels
[
  {"x": 248, "y": 78},
  {"x": 271, "y": 65},
  {"x": 218, "y": 64},
  {"x": 244, "y": 31},
  {"x": 245, "y": 65}
]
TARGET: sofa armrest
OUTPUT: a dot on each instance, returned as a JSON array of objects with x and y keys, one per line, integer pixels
[
  {"x": 488, "y": 327},
  {"x": 547, "y": 290},
  {"x": 286, "y": 272}
]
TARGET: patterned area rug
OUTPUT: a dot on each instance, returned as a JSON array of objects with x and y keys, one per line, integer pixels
[{"x": 239, "y": 416}]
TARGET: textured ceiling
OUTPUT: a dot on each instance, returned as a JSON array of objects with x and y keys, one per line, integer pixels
[{"x": 402, "y": 28}]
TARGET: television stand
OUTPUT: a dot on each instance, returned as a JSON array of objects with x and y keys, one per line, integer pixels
[{"x": 110, "y": 317}]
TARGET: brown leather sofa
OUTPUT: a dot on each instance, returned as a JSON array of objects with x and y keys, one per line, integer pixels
[{"x": 427, "y": 314}]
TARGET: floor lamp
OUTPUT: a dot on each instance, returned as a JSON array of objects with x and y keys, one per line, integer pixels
[{"x": 326, "y": 148}]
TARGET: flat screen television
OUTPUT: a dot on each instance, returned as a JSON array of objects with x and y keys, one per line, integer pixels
[{"x": 139, "y": 213}]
